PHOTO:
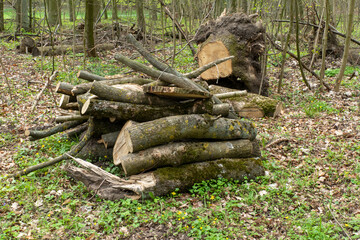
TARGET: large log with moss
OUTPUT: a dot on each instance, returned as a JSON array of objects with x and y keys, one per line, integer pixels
[
  {"x": 175, "y": 128},
  {"x": 180, "y": 153},
  {"x": 249, "y": 104},
  {"x": 141, "y": 112},
  {"x": 163, "y": 180},
  {"x": 235, "y": 35}
]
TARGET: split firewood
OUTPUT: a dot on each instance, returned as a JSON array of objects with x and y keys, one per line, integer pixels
[
  {"x": 175, "y": 92},
  {"x": 141, "y": 112},
  {"x": 163, "y": 180},
  {"x": 175, "y": 128},
  {"x": 180, "y": 153}
]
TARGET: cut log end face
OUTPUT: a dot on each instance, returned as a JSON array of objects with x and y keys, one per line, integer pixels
[{"x": 213, "y": 51}]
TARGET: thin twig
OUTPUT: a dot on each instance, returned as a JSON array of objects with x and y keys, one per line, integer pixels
[{"x": 332, "y": 214}]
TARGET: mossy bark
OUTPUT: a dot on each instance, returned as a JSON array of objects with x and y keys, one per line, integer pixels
[
  {"x": 177, "y": 154},
  {"x": 141, "y": 112},
  {"x": 164, "y": 180},
  {"x": 175, "y": 128},
  {"x": 269, "y": 106}
]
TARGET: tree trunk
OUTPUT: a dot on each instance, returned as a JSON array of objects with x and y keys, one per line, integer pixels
[
  {"x": 175, "y": 128},
  {"x": 239, "y": 36},
  {"x": 164, "y": 180},
  {"x": 89, "y": 28},
  {"x": 347, "y": 45},
  {"x": 71, "y": 10},
  {"x": 2, "y": 25},
  {"x": 140, "y": 17},
  {"x": 140, "y": 112},
  {"x": 53, "y": 12},
  {"x": 177, "y": 154},
  {"x": 114, "y": 10},
  {"x": 22, "y": 15}
]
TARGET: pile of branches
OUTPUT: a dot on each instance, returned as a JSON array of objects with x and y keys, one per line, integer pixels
[{"x": 166, "y": 133}]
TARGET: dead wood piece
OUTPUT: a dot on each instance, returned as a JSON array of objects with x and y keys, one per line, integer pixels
[
  {"x": 65, "y": 49},
  {"x": 176, "y": 154},
  {"x": 175, "y": 128},
  {"x": 248, "y": 104},
  {"x": 47, "y": 84},
  {"x": 231, "y": 94},
  {"x": 85, "y": 87},
  {"x": 141, "y": 112},
  {"x": 109, "y": 139},
  {"x": 35, "y": 135},
  {"x": 207, "y": 66},
  {"x": 68, "y": 102},
  {"x": 163, "y": 180},
  {"x": 70, "y": 118},
  {"x": 74, "y": 150},
  {"x": 89, "y": 76},
  {"x": 75, "y": 132},
  {"x": 64, "y": 88},
  {"x": 95, "y": 151},
  {"x": 221, "y": 109},
  {"x": 175, "y": 92},
  {"x": 124, "y": 94}
]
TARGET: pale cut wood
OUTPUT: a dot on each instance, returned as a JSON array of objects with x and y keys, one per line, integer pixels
[
  {"x": 120, "y": 147},
  {"x": 163, "y": 180},
  {"x": 175, "y": 92},
  {"x": 175, "y": 128},
  {"x": 65, "y": 100},
  {"x": 64, "y": 88},
  {"x": 211, "y": 52},
  {"x": 180, "y": 153}
]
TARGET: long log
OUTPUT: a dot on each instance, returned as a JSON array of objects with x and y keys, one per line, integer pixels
[
  {"x": 70, "y": 118},
  {"x": 64, "y": 88},
  {"x": 128, "y": 96},
  {"x": 65, "y": 49},
  {"x": 85, "y": 87},
  {"x": 141, "y": 112},
  {"x": 243, "y": 103},
  {"x": 175, "y": 92},
  {"x": 180, "y": 153},
  {"x": 175, "y": 128},
  {"x": 85, "y": 75},
  {"x": 163, "y": 180}
]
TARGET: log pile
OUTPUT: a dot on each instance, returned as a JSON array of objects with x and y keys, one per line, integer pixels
[{"x": 165, "y": 132}]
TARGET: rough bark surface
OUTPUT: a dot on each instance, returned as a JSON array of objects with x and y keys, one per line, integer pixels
[
  {"x": 160, "y": 131},
  {"x": 243, "y": 38},
  {"x": 163, "y": 180},
  {"x": 177, "y": 154}
]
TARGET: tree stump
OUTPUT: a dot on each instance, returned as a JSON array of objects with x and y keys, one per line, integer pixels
[{"x": 234, "y": 35}]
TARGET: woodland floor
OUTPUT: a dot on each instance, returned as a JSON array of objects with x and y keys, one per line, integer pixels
[{"x": 311, "y": 189}]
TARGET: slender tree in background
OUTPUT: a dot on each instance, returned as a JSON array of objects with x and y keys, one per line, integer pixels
[
  {"x": 244, "y": 6},
  {"x": 347, "y": 45},
  {"x": 104, "y": 9},
  {"x": 2, "y": 25},
  {"x": 71, "y": 10},
  {"x": 53, "y": 13},
  {"x": 22, "y": 15},
  {"x": 140, "y": 16},
  {"x": 325, "y": 42},
  {"x": 232, "y": 6},
  {"x": 89, "y": 36},
  {"x": 114, "y": 10}
]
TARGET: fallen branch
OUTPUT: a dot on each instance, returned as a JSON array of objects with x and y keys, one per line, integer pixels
[{"x": 73, "y": 151}]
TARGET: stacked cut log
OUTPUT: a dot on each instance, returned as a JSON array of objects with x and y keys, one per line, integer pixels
[{"x": 165, "y": 132}]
